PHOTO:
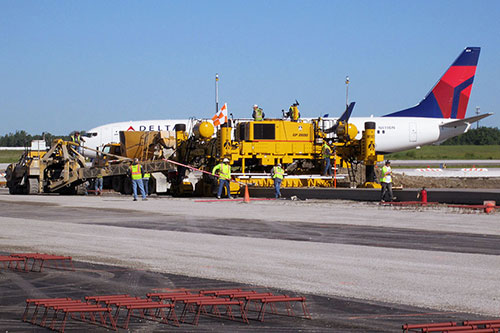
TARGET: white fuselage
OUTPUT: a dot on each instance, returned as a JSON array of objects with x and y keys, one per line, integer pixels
[
  {"x": 395, "y": 134},
  {"x": 110, "y": 133},
  {"x": 392, "y": 134}
]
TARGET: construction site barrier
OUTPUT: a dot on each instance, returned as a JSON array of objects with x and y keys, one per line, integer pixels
[
  {"x": 8, "y": 260},
  {"x": 487, "y": 208},
  {"x": 283, "y": 299},
  {"x": 68, "y": 308},
  {"x": 147, "y": 308},
  {"x": 116, "y": 311},
  {"x": 39, "y": 259},
  {"x": 202, "y": 304},
  {"x": 472, "y": 326}
]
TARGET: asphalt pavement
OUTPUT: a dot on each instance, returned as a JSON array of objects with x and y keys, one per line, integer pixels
[{"x": 427, "y": 261}]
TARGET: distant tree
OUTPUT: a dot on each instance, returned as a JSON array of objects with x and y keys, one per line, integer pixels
[
  {"x": 478, "y": 137},
  {"x": 23, "y": 139}
]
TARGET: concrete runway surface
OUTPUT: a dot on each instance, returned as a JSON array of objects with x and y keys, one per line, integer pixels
[{"x": 362, "y": 266}]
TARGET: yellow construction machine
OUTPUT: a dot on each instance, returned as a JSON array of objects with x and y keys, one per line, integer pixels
[
  {"x": 253, "y": 147},
  {"x": 53, "y": 170},
  {"x": 62, "y": 169}
]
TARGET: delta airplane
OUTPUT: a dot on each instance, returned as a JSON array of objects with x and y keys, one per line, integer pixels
[{"x": 438, "y": 117}]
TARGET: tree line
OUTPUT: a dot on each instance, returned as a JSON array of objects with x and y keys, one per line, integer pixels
[
  {"x": 23, "y": 139},
  {"x": 477, "y": 137}
]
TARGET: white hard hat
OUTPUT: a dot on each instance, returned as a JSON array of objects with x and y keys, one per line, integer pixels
[
  {"x": 226, "y": 160},
  {"x": 255, "y": 106},
  {"x": 279, "y": 164}
]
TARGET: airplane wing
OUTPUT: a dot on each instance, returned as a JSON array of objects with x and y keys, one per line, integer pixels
[{"x": 466, "y": 121}]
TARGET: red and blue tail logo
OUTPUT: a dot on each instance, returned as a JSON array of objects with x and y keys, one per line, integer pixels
[{"x": 450, "y": 96}]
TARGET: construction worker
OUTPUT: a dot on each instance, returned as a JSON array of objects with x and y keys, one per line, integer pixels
[
  {"x": 257, "y": 113},
  {"x": 98, "y": 184},
  {"x": 145, "y": 182},
  {"x": 224, "y": 171},
  {"x": 326, "y": 151},
  {"x": 293, "y": 112},
  {"x": 386, "y": 182},
  {"x": 76, "y": 138},
  {"x": 277, "y": 173},
  {"x": 136, "y": 174}
]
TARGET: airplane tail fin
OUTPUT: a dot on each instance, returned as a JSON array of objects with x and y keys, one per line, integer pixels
[{"x": 450, "y": 96}]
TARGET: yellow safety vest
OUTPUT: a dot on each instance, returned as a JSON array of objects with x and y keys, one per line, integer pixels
[
  {"x": 224, "y": 171},
  {"x": 75, "y": 138},
  {"x": 258, "y": 115},
  {"x": 278, "y": 172},
  {"x": 326, "y": 151},
  {"x": 147, "y": 175},
  {"x": 136, "y": 171},
  {"x": 386, "y": 177},
  {"x": 294, "y": 113}
]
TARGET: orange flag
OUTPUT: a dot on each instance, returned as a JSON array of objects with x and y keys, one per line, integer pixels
[{"x": 221, "y": 116}]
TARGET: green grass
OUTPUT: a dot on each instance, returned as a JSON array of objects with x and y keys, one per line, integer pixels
[
  {"x": 10, "y": 156},
  {"x": 425, "y": 153},
  {"x": 449, "y": 153}
]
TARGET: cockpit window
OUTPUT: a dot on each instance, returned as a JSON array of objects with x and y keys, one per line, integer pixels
[{"x": 90, "y": 134}]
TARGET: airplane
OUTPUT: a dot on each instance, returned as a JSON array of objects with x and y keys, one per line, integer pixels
[
  {"x": 99, "y": 136},
  {"x": 438, "y": 117}
]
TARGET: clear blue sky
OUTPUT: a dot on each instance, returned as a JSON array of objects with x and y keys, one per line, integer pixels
[{"x": 67, "y": 65}]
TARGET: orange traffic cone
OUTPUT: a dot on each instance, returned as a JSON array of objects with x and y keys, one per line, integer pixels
[
  {"x": 489, "y": 207},
  {"x": 246, "y": 198}
]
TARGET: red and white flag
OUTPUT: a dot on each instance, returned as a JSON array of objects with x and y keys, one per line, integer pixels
[{"x": 221, "y": 116}]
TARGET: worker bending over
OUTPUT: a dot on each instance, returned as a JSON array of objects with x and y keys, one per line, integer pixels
[
  {"x": 257, "y": 113},
  {"x": 278, "y": 174},
  {"x": 136, "y": 174},
  {"x": 224, "y": 171}
]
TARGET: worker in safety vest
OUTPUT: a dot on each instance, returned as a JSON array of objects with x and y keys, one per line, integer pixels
[
  {"x": 293, "y": 112},
  {"x": 257, "y": 113},
  {"x": 76, "y": 138},
  {"x": 98, "y": 183},
  {"x": 326, "y": 151},
  {"x": 386, "y": 182},
  {"x": 278, "y": 174},
  {"x": 145, "y": 182},
  {"x": 224, "y": 171},
  {"x": 136, "y": 174}
]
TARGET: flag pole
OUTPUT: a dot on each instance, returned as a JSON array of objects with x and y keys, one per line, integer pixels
[{"x": 216, "y": 92}]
